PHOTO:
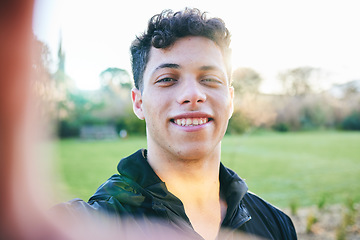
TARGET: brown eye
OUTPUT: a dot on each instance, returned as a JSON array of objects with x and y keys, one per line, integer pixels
[
  {"x": 167, "y": 81},
  {"x": 211, "y": 81}
]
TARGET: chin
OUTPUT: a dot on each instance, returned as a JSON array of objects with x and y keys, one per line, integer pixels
[{"x": 194, "y": 153}]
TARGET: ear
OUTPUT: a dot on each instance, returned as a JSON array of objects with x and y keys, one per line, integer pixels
[
  {"x": 137, "y": 103},
  {"x": 231, "y": 91}
]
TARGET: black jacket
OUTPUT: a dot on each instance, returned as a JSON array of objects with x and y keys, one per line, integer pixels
[{"x": 138, "y": 192}]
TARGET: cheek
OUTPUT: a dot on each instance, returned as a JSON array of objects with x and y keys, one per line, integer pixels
[
  {"x": 224, "y": 111},
  {"x": 152, "y": 114},
  {"x": 222, "y": 101}
]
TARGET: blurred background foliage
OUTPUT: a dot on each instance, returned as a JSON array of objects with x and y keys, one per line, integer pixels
[{"x": 300, "y": 107}]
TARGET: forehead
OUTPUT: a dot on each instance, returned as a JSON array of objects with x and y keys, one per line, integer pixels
[{"x": 187, "y": 52}]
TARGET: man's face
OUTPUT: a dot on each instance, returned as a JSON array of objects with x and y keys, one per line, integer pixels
[{"x": 186, "y": 99}]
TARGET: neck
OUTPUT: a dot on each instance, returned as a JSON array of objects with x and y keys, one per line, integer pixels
[
  {"x": 197, "y": 178},
  {"x": 196, "y": 183}
]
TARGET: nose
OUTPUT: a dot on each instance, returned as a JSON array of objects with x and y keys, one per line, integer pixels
[{"x": 191, "y": 93}]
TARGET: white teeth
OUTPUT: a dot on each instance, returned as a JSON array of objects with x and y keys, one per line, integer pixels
[
  {"x": 183, "y": 122},
  {"x": 190, "y": 121}
]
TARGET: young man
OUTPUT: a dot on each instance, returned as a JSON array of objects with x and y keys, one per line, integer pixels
[{"x": 182, "y": 90}]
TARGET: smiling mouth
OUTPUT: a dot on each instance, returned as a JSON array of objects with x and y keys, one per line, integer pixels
[{"x": 190, "y": 121}]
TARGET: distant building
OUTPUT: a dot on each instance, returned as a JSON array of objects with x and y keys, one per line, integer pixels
[{"x": 98, "y": 132}]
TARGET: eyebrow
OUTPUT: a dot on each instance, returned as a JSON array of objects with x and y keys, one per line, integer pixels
[
  {"x": 207, "y": 68},
  {"x": 177, "y": 66},
  {"x": 167, "y": 65}
]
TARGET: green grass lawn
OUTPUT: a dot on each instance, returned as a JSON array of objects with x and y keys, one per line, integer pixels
[{"x": 303, "y": 168}]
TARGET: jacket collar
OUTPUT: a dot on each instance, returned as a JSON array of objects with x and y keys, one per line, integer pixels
[
  {"x": 232, "y": 187},
  {"x": 137, "y": 168}
]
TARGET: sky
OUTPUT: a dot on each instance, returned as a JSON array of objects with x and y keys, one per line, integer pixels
[{"x": 267, "y": 36}]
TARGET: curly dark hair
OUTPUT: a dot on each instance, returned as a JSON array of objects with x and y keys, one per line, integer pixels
[{"x": 167, "y": 27}]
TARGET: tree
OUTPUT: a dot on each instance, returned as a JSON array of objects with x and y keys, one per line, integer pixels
[
  {"x": 42, "y": 82},
  {"x": 115, "y": 93},
  {"x": 297, "y": 81},
  {"x": 250, "y": 108},
  {"x": 246, "y": 80},
  {"x": 80, "y": 109},
  {"x": 114, "y": 79}
]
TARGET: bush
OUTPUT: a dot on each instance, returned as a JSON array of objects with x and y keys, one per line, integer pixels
[
  {"x": 312, "y": 116},
  {"x": 310, "y": 221},
  {"x": 70, "y": 128},
  {"x": 294, "y": 205},
  {"x": 307, "y": 113},
  {"x": 281, "y": 127},
  {"x": 131, "y": 124},
  {"x": 352, "y": 122},
  {"x": 238, "y": 124},
  {"x": 67, "y": 129}
]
